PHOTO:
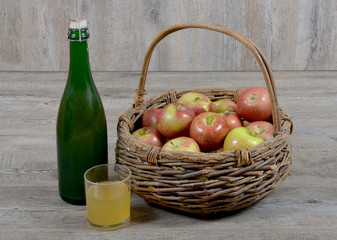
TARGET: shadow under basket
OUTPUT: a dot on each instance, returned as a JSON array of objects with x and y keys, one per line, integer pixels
[{"x": 204, "y": 183}]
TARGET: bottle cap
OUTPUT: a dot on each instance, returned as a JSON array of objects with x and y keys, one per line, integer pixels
[{"x": 78, "y": 23}]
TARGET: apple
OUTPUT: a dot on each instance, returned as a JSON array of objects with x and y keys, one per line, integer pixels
[
  {"x": 197, "y": 101},
  {"x": 149, "y": 135},
  {"x": 254, "y": 104},
  {"x": 224, "y": 105},
  {"x": 182, "y": 144},
  {"x": 150, "y": 117},
  {"x": 208, "y": 130},
  {"x": 232, "y": 119},
  {"x": 241, "y": 137},
  {"x": 175, "y": 120},
  {"x": 263, "y": 128}
]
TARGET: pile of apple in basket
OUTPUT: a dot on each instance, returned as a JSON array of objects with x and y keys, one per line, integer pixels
[{"x": 196, "y": 124}]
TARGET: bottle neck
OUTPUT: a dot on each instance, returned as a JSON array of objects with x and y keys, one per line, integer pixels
[
  {"x": 79, "y": 58},
  {"x": 79, "y": 68}
]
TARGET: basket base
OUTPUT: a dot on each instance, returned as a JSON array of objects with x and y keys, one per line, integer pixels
[{"x": 206, "y": 216}]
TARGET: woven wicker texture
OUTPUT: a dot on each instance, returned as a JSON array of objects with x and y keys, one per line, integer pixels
[{"x": 204, "y": 183}]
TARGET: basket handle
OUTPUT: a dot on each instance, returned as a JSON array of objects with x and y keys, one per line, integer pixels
[{"x": 266, "y": 71}]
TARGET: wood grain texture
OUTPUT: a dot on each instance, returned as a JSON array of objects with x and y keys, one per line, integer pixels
[
  {"x": 34, "y": 34},
  {"x": 292, "y": 34},
  {"x": 303, "y": 207}
]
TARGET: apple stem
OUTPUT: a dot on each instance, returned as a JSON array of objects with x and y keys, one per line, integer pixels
[
  {"x": 197, "y": 99},
  {"x": 143, "y": 131},
  {"x": 253, "y": 96},
  {"x": 254, "y": 134},
  {"x": 173, "y": 145},
  {"x": 209, "y": 119}
]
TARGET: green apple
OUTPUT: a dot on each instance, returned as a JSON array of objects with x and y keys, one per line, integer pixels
[{"x": 241, "y": 137}]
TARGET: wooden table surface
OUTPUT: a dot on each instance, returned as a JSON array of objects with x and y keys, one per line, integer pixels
[{"x": 303, "y": 207}]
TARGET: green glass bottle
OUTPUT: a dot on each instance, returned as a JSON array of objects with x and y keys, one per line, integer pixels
[{"x": 81, "y": 124}]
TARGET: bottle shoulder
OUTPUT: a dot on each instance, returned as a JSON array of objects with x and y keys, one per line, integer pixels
[
  {"x": 81, "y": 107},
  {"x": 81, "y": 84},
  {"x": 85, "y": 97}
]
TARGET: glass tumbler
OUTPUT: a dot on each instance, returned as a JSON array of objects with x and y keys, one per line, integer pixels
[{"x": 108, "y": 191}]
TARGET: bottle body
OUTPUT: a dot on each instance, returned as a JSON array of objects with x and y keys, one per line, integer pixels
[{"x": 81, "y": 127}]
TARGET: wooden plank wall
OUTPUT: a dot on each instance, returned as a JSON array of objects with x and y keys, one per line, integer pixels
[{"x": 292, "y": 34}]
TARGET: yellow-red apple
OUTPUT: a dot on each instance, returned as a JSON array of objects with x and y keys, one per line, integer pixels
[
  {"x": 263, "y": 128},
  {"x": 224, "y": 105},
  {"x": 197, "y": 101},
  {"x": 150, "y": 117},
  {"x": 182, "y": 144},
  {"x": 175, "y": 120},
  {"x": 149, "y": 135},
  {"x": 232, "y": 119}
]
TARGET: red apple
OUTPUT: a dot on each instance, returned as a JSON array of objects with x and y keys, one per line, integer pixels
[
  {"x": 197, "y": 101},
  {"x": 224, "y": 105},
  {"x": 263, "y": 128},
  {"x": 149, "y": 135},
  {"x": 241, "y": 137},
  {"x": 182, "y": 144},
  {"x": 254, "y": 104},
  {"x": 232, "y": 119},
  {"x": 208, "y": 130},
  {"x": 175, "y": 120},
  {"x": 150, "y": 117}
]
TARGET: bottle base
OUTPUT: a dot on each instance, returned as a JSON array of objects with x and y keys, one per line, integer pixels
[{"x": 72, "y": 201}]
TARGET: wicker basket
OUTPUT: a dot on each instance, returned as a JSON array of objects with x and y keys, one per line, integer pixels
[{"x": 204, "y": 183}]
